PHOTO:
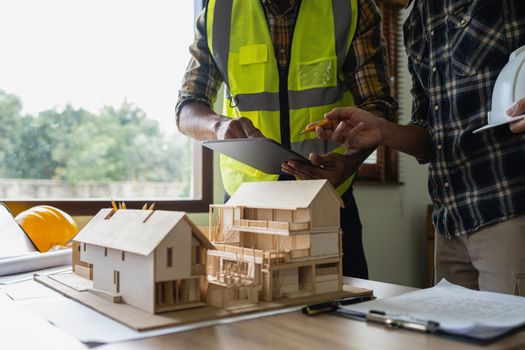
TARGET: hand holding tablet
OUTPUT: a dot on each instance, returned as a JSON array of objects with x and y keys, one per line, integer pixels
[{"x": 262, "y": 154}]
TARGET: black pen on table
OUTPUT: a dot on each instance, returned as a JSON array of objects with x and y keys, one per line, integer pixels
[{"x": 315, "y": 309}]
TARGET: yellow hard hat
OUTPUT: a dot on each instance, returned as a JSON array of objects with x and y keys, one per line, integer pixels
[{"x": 47, "y": 226}]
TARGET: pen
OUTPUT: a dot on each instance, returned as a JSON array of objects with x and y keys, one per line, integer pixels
[
  {"x": 312, "y": 126},
  {"x": 332, "y": 305},
  {"x": 420, "y": 326}
]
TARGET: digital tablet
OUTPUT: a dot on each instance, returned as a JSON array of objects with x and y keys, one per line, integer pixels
[{"x": 262, "y": 154}]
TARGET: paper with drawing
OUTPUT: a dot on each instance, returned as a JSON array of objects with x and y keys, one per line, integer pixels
[{"x": 460, "y": 311}]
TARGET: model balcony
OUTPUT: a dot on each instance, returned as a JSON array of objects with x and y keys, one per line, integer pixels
[
  {"x": 258, "y": 256},
  {"x": 234, "y": 253},
  {"x": 271, "y": 227}
]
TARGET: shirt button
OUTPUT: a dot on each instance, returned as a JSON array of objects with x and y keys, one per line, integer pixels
[
  {"x": 439, "y": 147},
  {"x": 446, "y": 184},
  {"x": 434, "y": 69},
  {"x": 436, "y": 108},
  {"x": 431, "y": 33},
  {"x": 463, "y": 22}
]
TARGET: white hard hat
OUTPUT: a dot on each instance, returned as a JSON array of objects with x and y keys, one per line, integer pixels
[{"x": 509, "y": 88}]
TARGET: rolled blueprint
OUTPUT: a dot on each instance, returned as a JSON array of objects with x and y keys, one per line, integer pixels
[{"x": 34, "y": 261}]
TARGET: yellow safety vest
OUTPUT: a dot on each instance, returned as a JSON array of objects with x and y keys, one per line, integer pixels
[{"x": 241, "y": 46}]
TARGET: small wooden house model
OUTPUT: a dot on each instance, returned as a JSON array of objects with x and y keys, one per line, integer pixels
[
  {"x": 152, "y": 260},
  {"x": 273, "y": 240}
]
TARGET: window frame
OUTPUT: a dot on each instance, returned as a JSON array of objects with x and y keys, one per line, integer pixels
[
  {"x": 203, "y": 185},
  {"x": 385, "y": 170},
  {"x": 91, "y": 207}
]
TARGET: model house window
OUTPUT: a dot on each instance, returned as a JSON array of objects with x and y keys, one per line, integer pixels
[
  {"x": 105, "y": 251},
  {"x": 123, "y": 256},
  {"x": 84, "y": 246},
  {"x": 116, "y": 280},
  {"x": 196, "y": 254},
  {"x": 169, "y": 257},
  {"x": 86, "y": 111}
]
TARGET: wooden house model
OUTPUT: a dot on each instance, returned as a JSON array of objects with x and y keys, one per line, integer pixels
[
  {"x": 273, "y": 240},
  {"x": 152, "y": 260}
]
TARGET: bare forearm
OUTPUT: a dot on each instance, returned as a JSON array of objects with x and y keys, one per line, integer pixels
[
  {"x": 410, "y": 139},
  {"x": 199, "y": 121}
]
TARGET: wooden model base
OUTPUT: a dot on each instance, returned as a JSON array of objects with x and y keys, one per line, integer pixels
[{"x": 75, "y": 288}]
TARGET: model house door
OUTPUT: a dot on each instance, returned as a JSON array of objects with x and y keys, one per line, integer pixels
[{"x": 116, "y": 280}]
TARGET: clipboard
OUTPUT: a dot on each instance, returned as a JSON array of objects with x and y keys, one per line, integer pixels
[
  {"x": 262, "y": 154},
  {"x": 445, "y": 310}
]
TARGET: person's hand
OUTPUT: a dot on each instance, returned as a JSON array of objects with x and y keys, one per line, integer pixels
[
  {"x": 354, "y": 128},
  {"x": 334, "y": 167},
  {"x": 518, "y": 109},
  {"x": 236, "y": 128}
]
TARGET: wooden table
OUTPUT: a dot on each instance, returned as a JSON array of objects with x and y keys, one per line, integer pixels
[{"x": 296, "y": 331}]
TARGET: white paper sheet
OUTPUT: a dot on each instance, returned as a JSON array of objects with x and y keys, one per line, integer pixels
[
  {"x": 28, "y": 290},
  {"x": 92, "y": 327},
  {"x": 22, "y": 329},
  {"x": 458, "y": 310},
  {"x": 14, "y": 240},
  {"x": 26, "y": 276}
]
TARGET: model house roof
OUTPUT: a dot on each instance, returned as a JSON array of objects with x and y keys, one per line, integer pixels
[
  {"x": 134, "y": 231},
  {"x": 281, "y": 194}
]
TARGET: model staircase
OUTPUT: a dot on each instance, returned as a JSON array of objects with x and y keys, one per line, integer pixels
[{"x": 228, "y": 234}]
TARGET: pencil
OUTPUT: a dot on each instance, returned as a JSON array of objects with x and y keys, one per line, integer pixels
[{"x": 312, "y": 126}]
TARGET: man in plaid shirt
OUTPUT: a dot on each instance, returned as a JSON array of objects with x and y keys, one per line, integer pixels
[
  {"x": 365, "y": 76},
  {"x": 456, "y": 50}
]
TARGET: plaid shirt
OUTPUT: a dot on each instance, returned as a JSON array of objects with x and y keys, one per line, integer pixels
[
  {"x": 365, "y": 67},
  {"x": 456, "y": 50}
]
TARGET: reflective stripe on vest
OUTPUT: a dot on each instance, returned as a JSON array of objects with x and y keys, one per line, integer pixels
[
  {"x": 240, "y": 42},
  {"x": 268, "y": 101}
]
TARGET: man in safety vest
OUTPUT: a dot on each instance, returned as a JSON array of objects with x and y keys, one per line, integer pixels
[{"x": 286, "y": 63}]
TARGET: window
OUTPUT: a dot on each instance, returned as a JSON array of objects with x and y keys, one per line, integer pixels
[
  {"x": 123, "y": 255},
  {"x": 196, "y": 255},
  {"x": 382, "y": 165},
  {"x": 87, "y": 100},
  {"x": 169, "y": 257},
  {"x": 116, "y": 280},
  {"x": 105, "y": 251}
]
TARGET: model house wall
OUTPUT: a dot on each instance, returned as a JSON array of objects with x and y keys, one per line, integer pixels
[
  {"x": 281, "y": 239},
  {"x": 180, "y": 243},
  {"x": 324, "y": 244},
  {"x": 122, "y": 273},
  {"x": 324, "y": 211},
  {"x": 152, "y": 260}
]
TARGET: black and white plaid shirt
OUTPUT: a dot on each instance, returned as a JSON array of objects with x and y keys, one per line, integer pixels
[{"x": 456, "y": 50}]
